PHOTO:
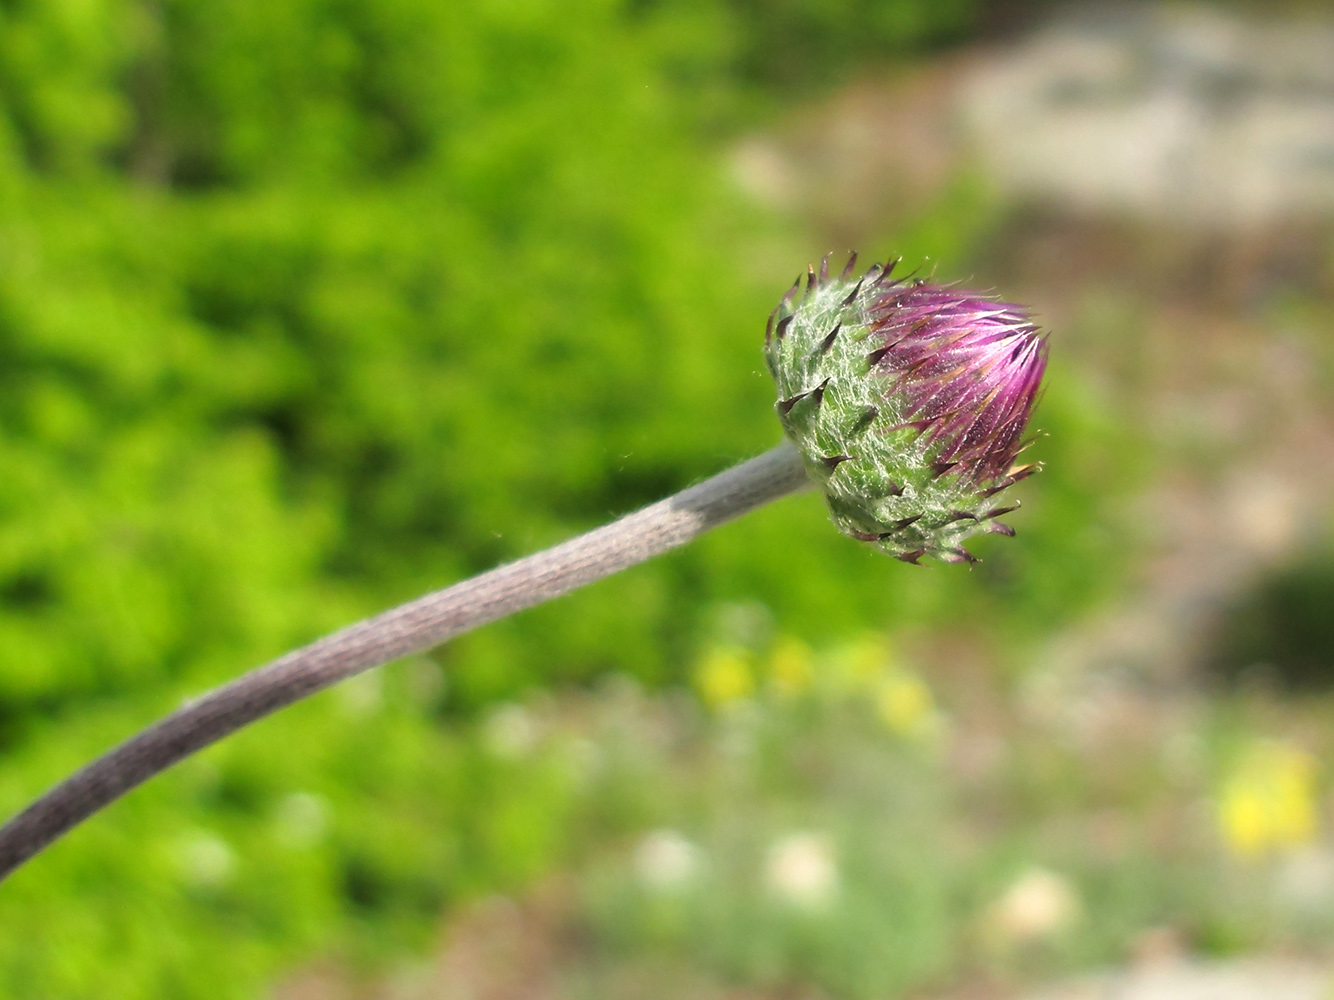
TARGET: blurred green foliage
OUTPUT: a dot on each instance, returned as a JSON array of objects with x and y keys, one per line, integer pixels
[
  {"x": 308, "y": 307},
  {"x": 1280, "y": 634}
]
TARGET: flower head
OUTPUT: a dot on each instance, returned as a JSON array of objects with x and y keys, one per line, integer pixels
[
  {"x": 908, "y": 401},
  {"x": 1270, "y": 802},
  {"x": 802, "y": 870},
  {"x": 1038, "y": 905},
  {"x": 666, "y": 860}
]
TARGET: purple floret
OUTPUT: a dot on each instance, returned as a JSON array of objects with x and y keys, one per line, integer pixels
[{"x": 969, "y": 369}]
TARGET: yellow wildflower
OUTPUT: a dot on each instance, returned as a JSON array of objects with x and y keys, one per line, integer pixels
[
  {"x": 857, "y": 665},
  {"x": 904, "y": 703},
  {"x": 724, "y": 677},
  {"x": 1269, "y": 801},
  {"x": 790, "y": 667}
]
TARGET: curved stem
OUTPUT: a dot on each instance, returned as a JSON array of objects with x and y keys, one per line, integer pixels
[{"x": 408, "y": 628}]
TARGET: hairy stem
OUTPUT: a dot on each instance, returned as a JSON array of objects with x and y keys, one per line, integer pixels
[{"x": 408, "y": 628}]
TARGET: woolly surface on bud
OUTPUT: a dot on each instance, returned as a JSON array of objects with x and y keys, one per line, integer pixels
[{"x": 908, "y": 402}]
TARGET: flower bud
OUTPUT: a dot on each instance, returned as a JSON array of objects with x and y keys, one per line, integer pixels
[{"x": 908, "y": 402}]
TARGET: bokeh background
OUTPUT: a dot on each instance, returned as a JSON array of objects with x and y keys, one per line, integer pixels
[{"x": 309, "y": 306}]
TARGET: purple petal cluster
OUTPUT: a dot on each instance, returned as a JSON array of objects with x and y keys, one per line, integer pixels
[{"x": 968, "y": 369}]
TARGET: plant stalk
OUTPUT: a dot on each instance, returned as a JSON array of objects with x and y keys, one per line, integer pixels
[{"x": 409, "y": 628}]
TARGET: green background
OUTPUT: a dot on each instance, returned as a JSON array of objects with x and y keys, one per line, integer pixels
[{"x": 307, "y": 307}]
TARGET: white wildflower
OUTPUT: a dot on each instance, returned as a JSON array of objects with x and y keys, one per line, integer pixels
[
  {"x": 665, "y": 859},
  {"x": 802, "y": 870}
]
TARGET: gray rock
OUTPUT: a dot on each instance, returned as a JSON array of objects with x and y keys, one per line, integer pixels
[{"x": 1188, "y": 114}]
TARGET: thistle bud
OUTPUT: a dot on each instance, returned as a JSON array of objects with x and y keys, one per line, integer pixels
[{"x": 908, "y": 402}]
